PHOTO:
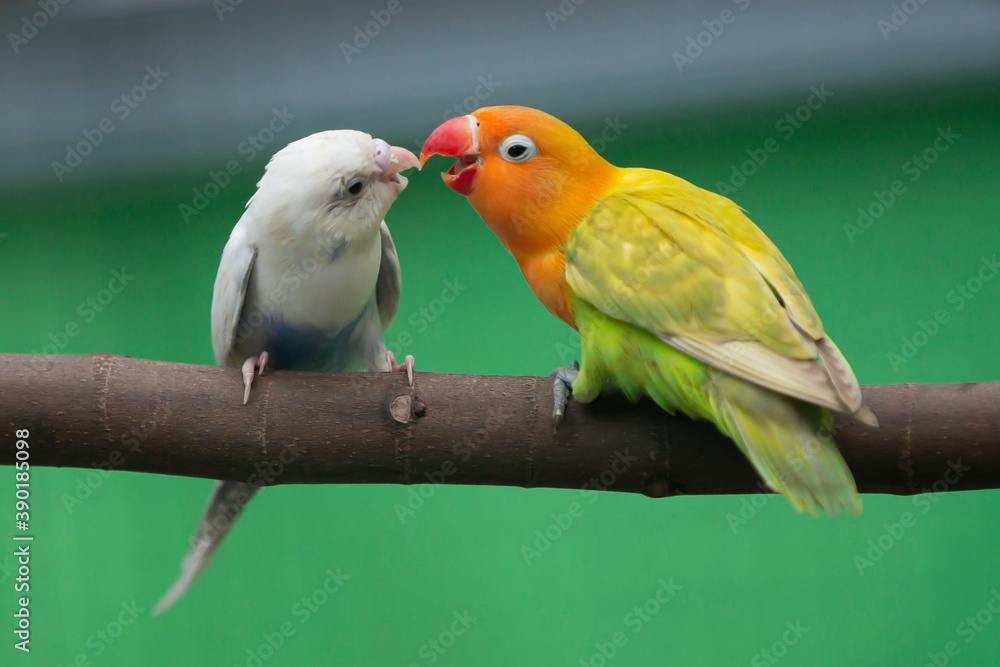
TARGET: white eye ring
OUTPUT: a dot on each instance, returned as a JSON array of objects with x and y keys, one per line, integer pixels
[{"x": 517, "y": 148}]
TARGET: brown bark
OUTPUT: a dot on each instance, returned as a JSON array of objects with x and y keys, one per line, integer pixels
[{"x": 180, "y": 419}]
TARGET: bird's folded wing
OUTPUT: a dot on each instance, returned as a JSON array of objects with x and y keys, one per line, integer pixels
[
  {"x": 389, "y": 285},
  {"x": 230, "y": 291},
  {"x": 690, "y": 268}
]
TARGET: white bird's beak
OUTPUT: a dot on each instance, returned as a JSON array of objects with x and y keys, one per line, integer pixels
[{"x": 393, "y": 159}]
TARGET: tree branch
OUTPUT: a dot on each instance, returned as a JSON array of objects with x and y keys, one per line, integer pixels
[{"x": 119, "y": 413}]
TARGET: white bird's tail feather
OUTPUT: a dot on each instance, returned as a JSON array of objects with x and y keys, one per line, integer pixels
[{"x": 227, "y": 502}]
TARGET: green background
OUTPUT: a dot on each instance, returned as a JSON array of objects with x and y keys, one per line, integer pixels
[{"x": 461, "y": 552}]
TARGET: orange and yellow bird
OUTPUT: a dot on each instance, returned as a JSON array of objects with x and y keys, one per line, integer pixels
[{"x": 676, "y": 294}]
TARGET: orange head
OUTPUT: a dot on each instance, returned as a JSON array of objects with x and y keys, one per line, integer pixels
[{"x": 531, "y": 177}]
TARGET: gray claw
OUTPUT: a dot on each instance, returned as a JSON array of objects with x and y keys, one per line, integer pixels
[{"x": 562, "y": 389}]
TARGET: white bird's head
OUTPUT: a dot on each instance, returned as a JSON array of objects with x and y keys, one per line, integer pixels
[{"x": 342, "y": 179}]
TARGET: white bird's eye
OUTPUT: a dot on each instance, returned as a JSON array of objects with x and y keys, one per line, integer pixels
[
  {"x": 354, "y": 186},
  {"x": 517, "y": 148}
]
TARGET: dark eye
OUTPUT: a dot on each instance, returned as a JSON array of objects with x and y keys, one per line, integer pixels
[
  {"x": 355, "y": 186},
  {"x": 517, "y": 148}
]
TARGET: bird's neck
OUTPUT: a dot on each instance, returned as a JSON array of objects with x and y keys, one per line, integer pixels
[
  {"x": 535, "y": 226},
  {"x": 537, "y": 215}
]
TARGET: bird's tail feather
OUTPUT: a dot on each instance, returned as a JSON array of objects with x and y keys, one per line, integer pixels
[
  {"x": 790, "y": 445},
  {"x": 227, "y": 502}
]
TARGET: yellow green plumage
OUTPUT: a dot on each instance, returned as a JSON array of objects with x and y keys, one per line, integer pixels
[
  {"x": 676, "y": 294},
  {"x": 661, "y": 266}
]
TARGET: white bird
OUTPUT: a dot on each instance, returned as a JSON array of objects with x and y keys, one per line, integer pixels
[{"x": 309, "y": 281}]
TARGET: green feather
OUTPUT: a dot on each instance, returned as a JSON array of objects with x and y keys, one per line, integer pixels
[
  {"x": 787, "y": 441},
  {"x": 680, "y": 297}
]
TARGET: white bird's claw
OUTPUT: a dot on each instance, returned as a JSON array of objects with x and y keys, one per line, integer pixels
[
  {"x": 408, "y": 365},
  {"x": 249, "y": 366}
]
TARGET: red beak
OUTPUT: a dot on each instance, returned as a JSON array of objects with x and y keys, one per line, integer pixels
[{"x": 459, "y": 138}]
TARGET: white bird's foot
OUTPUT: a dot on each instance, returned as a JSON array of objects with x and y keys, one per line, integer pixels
[
  {"x": 408, "y": 365},
  {"x": 562, "y": 389},
  {"x": 249, "y": 366}
]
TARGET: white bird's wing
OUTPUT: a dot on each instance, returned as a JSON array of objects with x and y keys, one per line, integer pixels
[
  {"x": 390, "y": 280},
  {"x": 230, "y": 291},
  {"x": 367, "y": 338}
]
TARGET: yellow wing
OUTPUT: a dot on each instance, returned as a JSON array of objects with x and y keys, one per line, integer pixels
[{"x": 689, "y": 267}]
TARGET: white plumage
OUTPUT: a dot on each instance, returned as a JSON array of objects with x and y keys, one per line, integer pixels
[{"x": 309, "y": 281}]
